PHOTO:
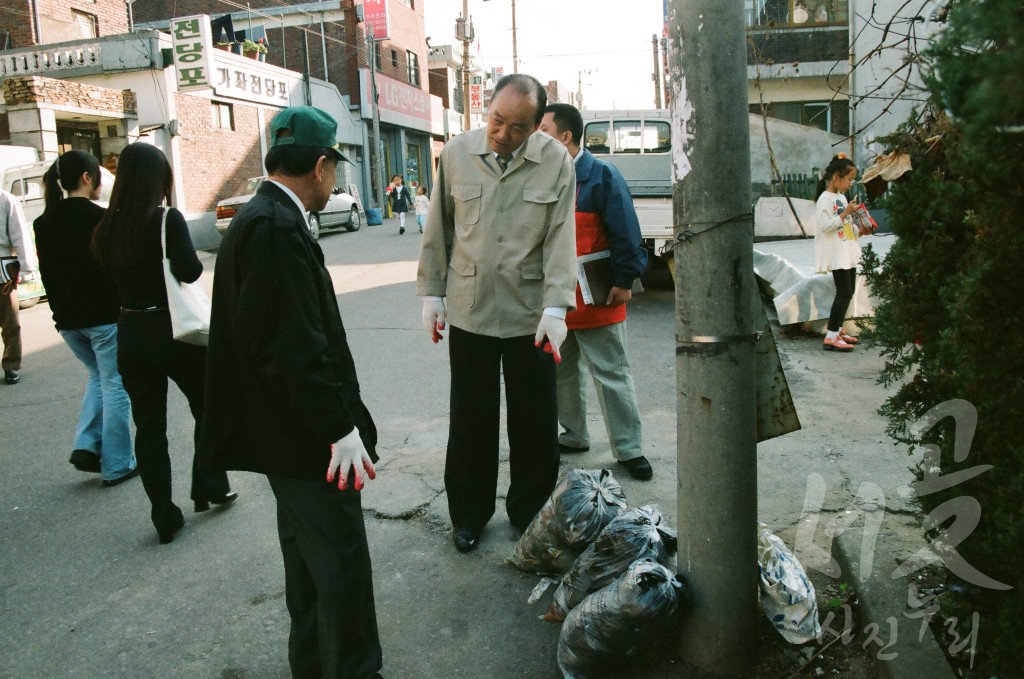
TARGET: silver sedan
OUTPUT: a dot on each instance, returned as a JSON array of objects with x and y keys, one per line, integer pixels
[{"x": 341, "y": 210}]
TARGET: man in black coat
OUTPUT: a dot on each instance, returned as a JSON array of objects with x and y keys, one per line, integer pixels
[{"x": 283, "y": 400}]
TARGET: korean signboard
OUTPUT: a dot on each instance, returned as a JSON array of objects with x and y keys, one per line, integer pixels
[
  {"x": 251, "y": 84},
  {"x": 191, "y": 46},
  {"x": 476, "y": 94},
  {"x": 375, "y": 13},
  {"x": 398, "y": 103}
]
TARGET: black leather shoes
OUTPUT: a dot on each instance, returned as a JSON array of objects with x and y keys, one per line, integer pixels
[
  {"x": 12, "y": 376},
  {"x": 85, "y": 460},
  {"x": 121, "y": 479},
  {"x": 639, "y": 468},
  {"x": 466, "y": 539},
  {"x": 226, "y": 498},
  {"x": 563, "y": 448}
]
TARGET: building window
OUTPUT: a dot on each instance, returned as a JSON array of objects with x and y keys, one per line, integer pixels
[
  {"x": 414, "y": 68},
  {"x": 771, "y": 13},
  {"x": 816, "y": 114},
  {"x": 376, "y": 54},
  {"x": 394, "y": 58},
  {"x": 85, "y": 25},
  {"x": 222, "y": 116}
]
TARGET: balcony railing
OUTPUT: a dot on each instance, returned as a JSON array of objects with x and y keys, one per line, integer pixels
[
  {"x": 125, "y": 52},
  {"x": 48, "y": 59}
]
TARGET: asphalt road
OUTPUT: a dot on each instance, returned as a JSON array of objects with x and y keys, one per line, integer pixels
[{"x": 86, "y": 591}]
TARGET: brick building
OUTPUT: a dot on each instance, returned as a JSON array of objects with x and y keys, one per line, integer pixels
[
  {"x": 328, "y": 40},
  {"x": 25, "y": 23},
  {"x": 102, "y": 92}
]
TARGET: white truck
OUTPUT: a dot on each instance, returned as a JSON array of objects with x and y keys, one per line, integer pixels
[
  {"x": 30, "y": 291},
  {"x": 639, "y": 145}
]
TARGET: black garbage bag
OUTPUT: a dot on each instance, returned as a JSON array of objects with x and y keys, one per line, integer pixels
[
  {"x": 582, "y": 504},
  {"x": 635, "y": 534},
  {"x": 609, "y": 627}
]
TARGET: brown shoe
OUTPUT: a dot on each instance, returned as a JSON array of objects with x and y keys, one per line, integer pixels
[{"x": 836, "y": 344}]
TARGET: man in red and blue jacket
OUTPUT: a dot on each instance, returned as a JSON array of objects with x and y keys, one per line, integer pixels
[{"x": 605, "y": 222}]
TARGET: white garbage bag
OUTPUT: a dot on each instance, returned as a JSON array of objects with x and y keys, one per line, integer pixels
[{"x": 787, "y": 595}]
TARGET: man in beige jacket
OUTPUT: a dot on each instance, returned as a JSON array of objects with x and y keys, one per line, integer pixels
[{"x": 500, "y": 249}]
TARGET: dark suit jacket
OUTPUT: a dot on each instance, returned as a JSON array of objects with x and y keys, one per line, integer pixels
[{"x": 281, "y": 384}]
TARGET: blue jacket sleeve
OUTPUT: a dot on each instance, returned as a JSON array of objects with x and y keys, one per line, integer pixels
[{"x": 622, "y": 227}]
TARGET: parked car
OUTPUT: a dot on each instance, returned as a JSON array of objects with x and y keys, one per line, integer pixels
[{"x": 341, "y": 210}]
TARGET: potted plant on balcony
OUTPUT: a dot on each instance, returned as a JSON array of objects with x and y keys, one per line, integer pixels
[
  {"x": 255, "y": 49},
  {"x": 226, "y": 46}
]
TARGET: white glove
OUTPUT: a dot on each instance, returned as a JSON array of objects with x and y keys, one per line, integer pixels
[
  {"x": 350, "y": 454},
  {"x": 554, "y": 329},
  {"x": 433, "y": 317}
]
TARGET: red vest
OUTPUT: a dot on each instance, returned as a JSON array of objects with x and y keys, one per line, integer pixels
[{"x": 590, "y": 238}]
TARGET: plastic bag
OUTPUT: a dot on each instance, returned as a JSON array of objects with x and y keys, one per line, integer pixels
[
  {"x": 582, "y": 504},
  {"x": 863, "y": 220},
  {"x": 787, "y": 595},
  {"x": 640, "y": 532},
  {"x": 636, "y": 611}
]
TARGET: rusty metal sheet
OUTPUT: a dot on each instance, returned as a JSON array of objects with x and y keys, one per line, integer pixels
[{"x": 776, "y": 413}]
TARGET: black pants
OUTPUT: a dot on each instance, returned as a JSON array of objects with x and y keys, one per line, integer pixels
[
  {"x": 146, "y": 356},
  {"x": 846, "y": 281},
  {"x": 328, "y": 581},
  {"x": 471, "y": 467}
]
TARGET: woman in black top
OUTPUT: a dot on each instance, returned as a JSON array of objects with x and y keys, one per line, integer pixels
[
  {"x": 84, "y": 308},
  {"x": 127, "y": 243}
]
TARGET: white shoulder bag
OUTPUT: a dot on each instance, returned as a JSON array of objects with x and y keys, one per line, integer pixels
[{"x": 187, "y": 302}]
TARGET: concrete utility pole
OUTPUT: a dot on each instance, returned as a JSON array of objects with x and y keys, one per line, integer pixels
[
  {"x": 656, "y": 74},
  {"x": 464, "y": 31},
  {"x": 715, "y": 324},
  {"x": 376, "y": 166},
  {"x": 515, "y": 52},
  {"x": 664, "y": 72}
]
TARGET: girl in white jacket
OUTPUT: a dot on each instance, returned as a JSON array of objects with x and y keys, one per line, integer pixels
[{"x": 836, "y": 249}]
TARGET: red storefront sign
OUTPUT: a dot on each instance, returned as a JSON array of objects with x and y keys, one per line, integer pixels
[{"x": 375, "y": 13}]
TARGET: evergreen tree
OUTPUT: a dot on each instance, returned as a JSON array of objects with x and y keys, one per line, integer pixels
[{"x": 951, "y": 314}]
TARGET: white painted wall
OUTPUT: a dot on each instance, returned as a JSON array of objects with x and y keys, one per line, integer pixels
[{"x": 867, "y": 29}]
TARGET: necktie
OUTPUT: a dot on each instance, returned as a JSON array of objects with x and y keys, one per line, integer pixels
[{"x": 503, "y": 163}]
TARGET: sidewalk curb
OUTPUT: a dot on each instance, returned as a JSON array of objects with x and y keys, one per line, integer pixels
[{"x": 882, "y": 600}]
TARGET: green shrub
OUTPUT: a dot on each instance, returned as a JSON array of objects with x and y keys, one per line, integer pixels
[{"x": 951, "y": 314}]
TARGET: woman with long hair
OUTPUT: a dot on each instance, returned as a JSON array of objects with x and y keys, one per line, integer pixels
[
  {"x": 127, "y": 243},
  {"x": 84, "y": 307}
]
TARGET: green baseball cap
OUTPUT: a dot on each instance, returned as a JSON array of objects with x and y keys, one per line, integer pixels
[{"x": 305, "y": 126}]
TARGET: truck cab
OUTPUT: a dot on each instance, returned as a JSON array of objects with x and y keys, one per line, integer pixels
[{"x": 639, "y": 144}]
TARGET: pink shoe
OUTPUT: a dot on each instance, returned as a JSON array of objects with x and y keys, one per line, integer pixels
[
  {"x": 849, "y": 339},
  {"x": 836, "y": 344}
]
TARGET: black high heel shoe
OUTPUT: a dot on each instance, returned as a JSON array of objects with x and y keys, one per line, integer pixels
[
  {"x": 167, "y": 534},
  {"x": 226, "y": 498}
]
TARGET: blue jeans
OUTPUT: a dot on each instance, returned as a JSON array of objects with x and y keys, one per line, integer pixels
[{"x": 104, "y": 424}]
